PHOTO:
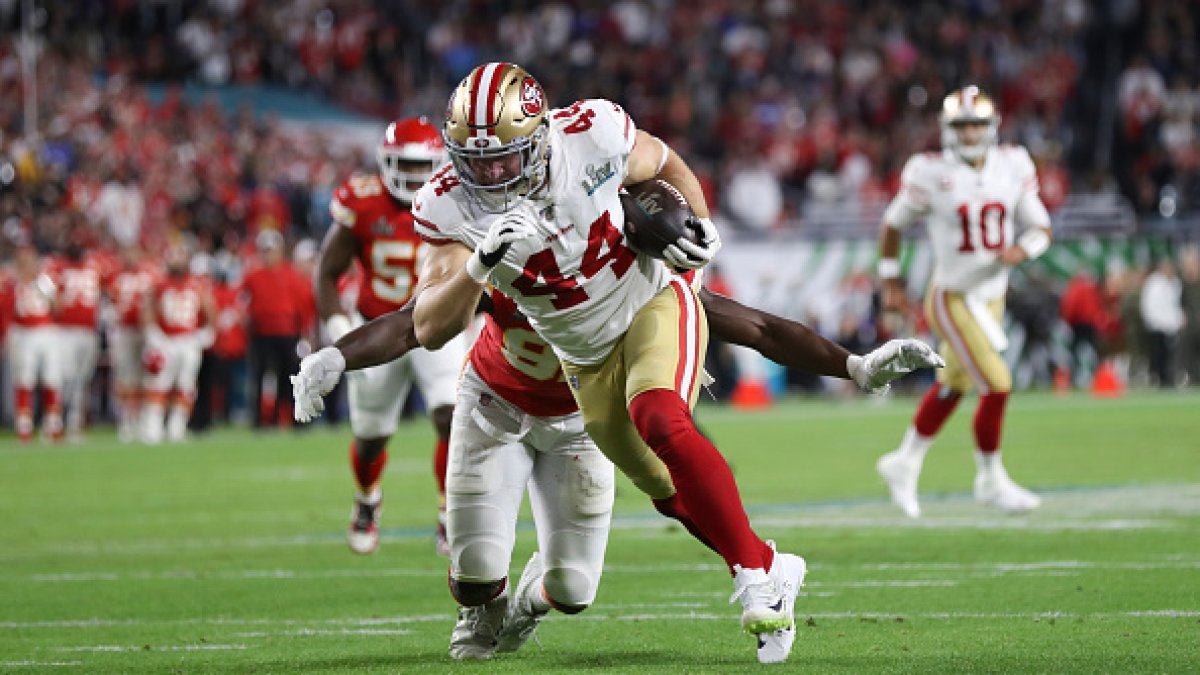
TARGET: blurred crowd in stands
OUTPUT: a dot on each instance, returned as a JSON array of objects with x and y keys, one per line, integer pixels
[{"x": 783, "y": 106}]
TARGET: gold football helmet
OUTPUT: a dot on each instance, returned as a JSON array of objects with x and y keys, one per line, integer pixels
[
  {"x": 968, "y": 105},
  {"x": 496, "y": 132}
]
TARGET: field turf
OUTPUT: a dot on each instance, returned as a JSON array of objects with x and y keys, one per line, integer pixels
[{"x": 227, "y": 555}]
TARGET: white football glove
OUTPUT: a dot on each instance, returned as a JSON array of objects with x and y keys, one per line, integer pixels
[
  {"x": 874, "y": 371},
  {"x": 686, "y": 255},
  {"x": 507, "y": 229},
  {"x": 319, "y": 374}
]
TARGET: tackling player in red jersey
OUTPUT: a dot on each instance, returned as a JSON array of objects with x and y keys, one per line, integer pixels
[{"x": 373, "y": 226}]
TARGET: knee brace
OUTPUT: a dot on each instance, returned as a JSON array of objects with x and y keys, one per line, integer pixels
[
  {"x": 475, "y": 593},
  {"x": 569, "y": 590}
]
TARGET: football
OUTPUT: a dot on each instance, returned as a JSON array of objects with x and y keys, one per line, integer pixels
[{"x": 656, "y": 216}]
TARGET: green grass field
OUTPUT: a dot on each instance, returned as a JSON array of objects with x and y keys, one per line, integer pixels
[{"x": 226, "y": 554}]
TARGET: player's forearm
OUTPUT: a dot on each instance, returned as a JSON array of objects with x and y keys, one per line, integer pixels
[
  {"x": 676, "y": 172},
  {"x": 785, "y": 342},
  {"x": 445, "y": 310},
  {"x": 889, "y": 242},
  {"x": 381, "y": 340}
]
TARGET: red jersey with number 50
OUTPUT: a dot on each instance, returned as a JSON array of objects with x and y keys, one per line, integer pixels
[
  {"x": 518, "y": 365},
  {"x": 178, "y": 304},
  {"x": 387, "y": 244}
]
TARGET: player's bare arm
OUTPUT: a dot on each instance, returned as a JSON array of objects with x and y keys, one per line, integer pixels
[
  {"x": 652, "y": 158},
  {"x": 785, "y": 342},
  {"x": 446, "y": 295},
  {"x": 889, "y": 272},
  {"x": 337, "y": 253}
]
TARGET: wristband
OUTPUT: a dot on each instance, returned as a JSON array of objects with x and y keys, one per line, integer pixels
[
  {"x": 888, "y": 268},
  {"x": 476, "y": 269},
  {"x": 1035, "y": 242},
  {"x": 336, "y": 326}
]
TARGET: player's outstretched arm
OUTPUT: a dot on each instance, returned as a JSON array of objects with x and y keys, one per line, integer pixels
[
  {"x": 795, "y": 345},
  {"x": 785, "y": 342}
]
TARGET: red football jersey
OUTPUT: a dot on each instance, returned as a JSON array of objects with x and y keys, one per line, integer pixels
[
  {"x": 178, "y": 304},
  {"x": 518, "y": 365},
  {"x": 31, "y": 303},
  {"x": 78, "y": 292},
  {"x": 127, "y": 288},
  {"x": 388, "y": 245}
]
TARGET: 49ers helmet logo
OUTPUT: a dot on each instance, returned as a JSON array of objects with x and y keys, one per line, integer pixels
[{"x": 533, "y": 101}]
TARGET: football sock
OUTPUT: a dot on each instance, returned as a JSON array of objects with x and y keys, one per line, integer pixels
[
  {"x": 703, "y": 481},
  {"x": 935, "y": 408},
  {"x": 914, "y": 444},
  {"x": 367, "y": 468},
  {"x": 672, "y": 508},
  {"x": 24, "y": 412},
  {"x": 52, "y": 420},
  {"x": 989, "y": 420}
]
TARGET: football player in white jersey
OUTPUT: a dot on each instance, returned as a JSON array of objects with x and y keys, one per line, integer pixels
[
  {"x": 530, "y": 204},
  {"x": 973, "y": 196},
  {"x": 517, "y": 427}
]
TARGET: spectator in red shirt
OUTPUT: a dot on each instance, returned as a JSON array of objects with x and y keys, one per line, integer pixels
[
  {"x": 279, "y": 309},
  {"x": 1084, "y": 309}
]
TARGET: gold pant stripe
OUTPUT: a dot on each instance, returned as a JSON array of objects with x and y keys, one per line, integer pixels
[{"x": 952, "y": 334}]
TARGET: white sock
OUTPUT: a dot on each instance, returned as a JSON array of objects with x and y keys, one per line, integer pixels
[
  {"x": 373, "y": 497},
  {"x": 536, "y": 598},
  {"x": 914, "y": 445},
  {"x": 988, "y": 463}
]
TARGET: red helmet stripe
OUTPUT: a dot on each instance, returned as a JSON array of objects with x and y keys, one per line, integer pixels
[
  {"x": 485, "y": 97},
  {"x": 968, "y": 99},
  {"x": 473, "y": 93}
]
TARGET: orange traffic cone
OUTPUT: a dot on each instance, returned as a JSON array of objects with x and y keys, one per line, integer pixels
[
  {"x": 1105, "y": 383},
  {"x": 751, "y": 394}
]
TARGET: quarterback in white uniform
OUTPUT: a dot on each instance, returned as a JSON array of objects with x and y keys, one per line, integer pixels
[
  {"x": 530, "y": 204},
  {"x": 973, "y": 196}
]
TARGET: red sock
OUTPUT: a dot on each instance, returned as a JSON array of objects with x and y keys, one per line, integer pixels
[
  {"x": 24, "y": 401},
  {"x": 367, "y": 470},
  {"x": 671, "y": 507},
  {"x": 50, "y": 399},
  {"x": 441, "y": 457},
  {"x": 935, "y": 408},
  {"x": 702, "y": 478},
  {"x": 989, "y": 420}
]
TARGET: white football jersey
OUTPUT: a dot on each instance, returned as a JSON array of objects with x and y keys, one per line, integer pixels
[
  {"x": 969, "y": 213},
  {"x": 576, "y": 282}
]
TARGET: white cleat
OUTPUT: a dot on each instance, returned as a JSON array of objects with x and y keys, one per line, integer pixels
[
  {"x": 521, "y": 621},
  {"x": 900, "y": 472},
  {"x": 769, "y": 603},
  {"x": 478, "y": 628},
  {"x": 363, "y": 533},
  {"x": 997, "y": 489},
  {"x": 787, "y": 571}
]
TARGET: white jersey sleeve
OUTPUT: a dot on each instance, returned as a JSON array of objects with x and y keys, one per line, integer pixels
[
  {"x": 912, "y": 202},
  {"x": 442, "y": 213},
  {"x": 1029, "y": 211}
]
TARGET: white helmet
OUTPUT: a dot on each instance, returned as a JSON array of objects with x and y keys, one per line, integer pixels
[{"x": 968, "y": 105}]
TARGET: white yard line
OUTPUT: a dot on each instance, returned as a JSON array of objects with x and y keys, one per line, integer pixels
[
  {"x": 152, "y": 648},
  {"x": 40, "y": 664}
]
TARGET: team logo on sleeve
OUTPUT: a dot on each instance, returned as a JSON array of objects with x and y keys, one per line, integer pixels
[{"x": 533, "y": 100}]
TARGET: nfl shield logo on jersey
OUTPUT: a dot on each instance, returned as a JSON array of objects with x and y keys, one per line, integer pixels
[{"x": 573, "y": 381}]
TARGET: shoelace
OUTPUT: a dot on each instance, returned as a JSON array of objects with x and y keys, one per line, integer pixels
[{"x": 761, "y": 593}]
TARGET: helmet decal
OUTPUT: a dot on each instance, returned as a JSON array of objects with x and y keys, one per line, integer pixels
[{"x": 533, "y": 99}]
